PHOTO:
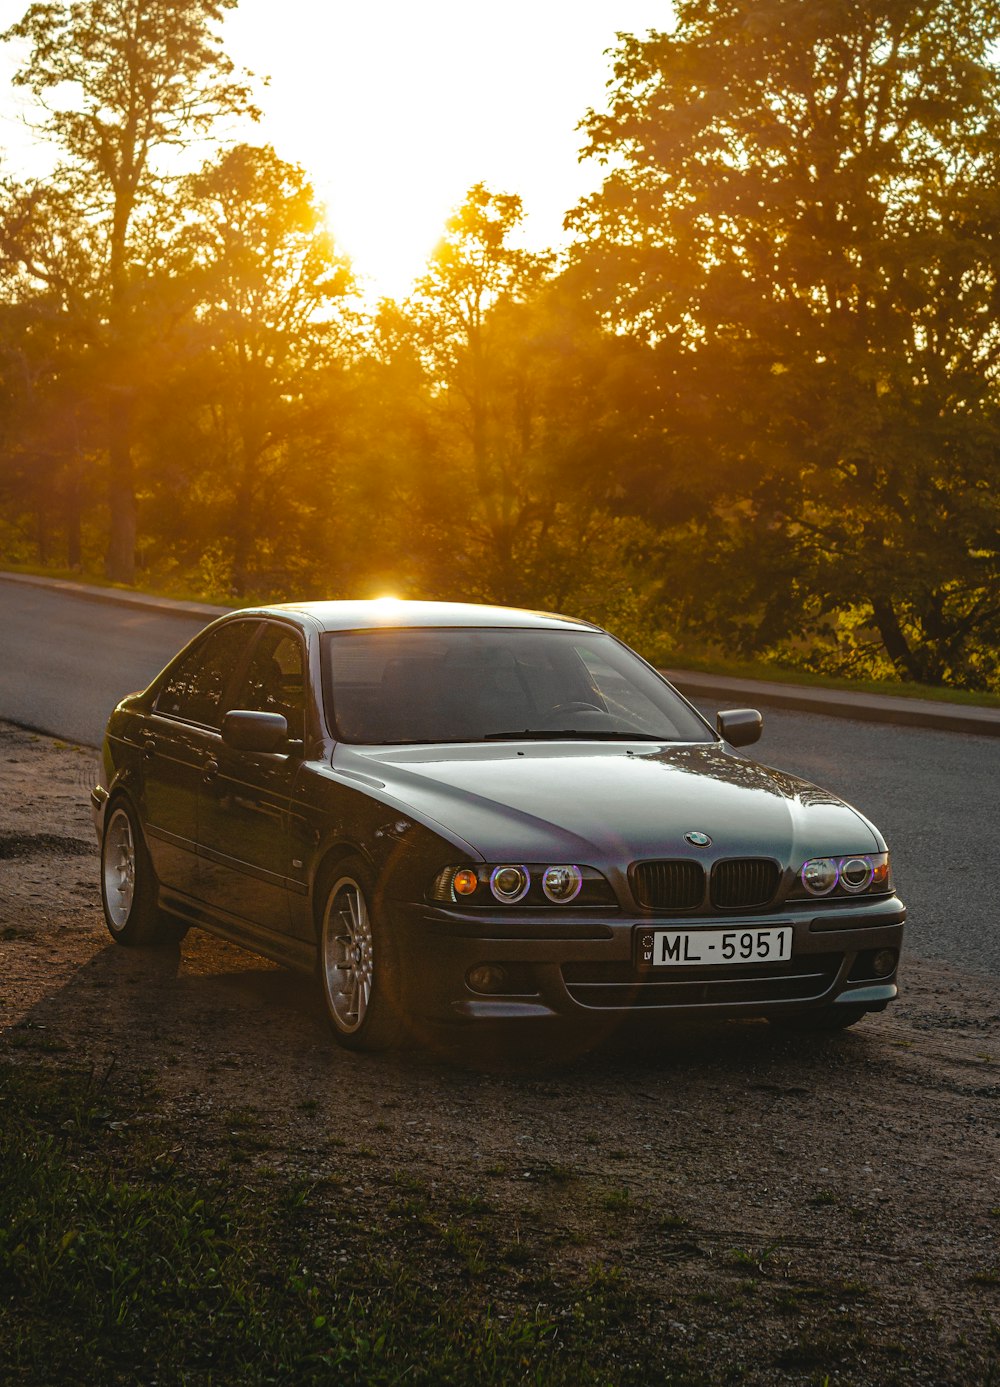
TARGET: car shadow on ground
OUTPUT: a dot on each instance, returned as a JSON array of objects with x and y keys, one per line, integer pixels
[{"x": 209, "y": 1005}]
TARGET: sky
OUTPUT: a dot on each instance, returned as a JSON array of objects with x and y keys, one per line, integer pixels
[{"x": 395, "y": 109}]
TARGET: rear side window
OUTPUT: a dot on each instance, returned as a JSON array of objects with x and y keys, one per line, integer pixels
[{"x": 196, "y": 682}]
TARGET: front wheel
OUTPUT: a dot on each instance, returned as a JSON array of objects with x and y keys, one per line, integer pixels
[
  {"x": 129, "y": 888},
  {"x": 359, "y": 974}
]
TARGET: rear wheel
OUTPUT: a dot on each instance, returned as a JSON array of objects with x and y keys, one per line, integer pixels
[
  {"x": 832, "y": 1018},
  {"x": 129, "y": 888},
  {"x": 359, "y": 974}
]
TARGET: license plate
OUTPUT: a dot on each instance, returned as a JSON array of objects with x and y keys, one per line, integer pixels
[{"x": 701, "y": 948}]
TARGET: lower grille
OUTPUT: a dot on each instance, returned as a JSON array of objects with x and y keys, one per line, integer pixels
[
  {"x": 744, "y": 883},
  {"x": 620, "y": 986},
  {"x": 668, "y": 885}
]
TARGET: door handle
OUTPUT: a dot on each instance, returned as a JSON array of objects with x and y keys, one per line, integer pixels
[
  {"x": 148, "y": 748},
  {"x": 210, "y": 771}
]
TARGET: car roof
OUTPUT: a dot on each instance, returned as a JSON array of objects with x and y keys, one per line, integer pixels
[{"x": 385, "y": 612}]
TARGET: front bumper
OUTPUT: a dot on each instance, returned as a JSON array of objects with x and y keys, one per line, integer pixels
[{"x": 583, "y": 968}]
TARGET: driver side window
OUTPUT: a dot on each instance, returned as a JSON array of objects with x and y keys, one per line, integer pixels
[{"x": 273, "y": 682}]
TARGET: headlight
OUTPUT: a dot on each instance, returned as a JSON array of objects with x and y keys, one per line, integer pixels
[
  {"x": 561, "y": 884},
  {"x": 509, "y": 884},
  {"x": 819, "y": 875},
  {"x": 854, "y": 875},
  {"x": 535, "y": 884}
]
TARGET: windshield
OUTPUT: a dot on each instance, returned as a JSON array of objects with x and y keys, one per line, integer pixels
[{"x": 441, "y": 685}]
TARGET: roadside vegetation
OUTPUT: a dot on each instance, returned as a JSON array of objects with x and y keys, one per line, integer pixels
[
  {"x": 658, "y": 651},
  {"x": 118, "y": 1264},
  {"x": 752, "y": 413},
  {"x": 135, "y": 1247}
]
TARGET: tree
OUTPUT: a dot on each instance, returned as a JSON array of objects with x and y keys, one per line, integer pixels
[
  {"x": 47, "y": 363},
  {"x": 467, "y": 315},
  {"x": 144, "y": 77},
  {"x": 270, "y": 294},
  {"x": 802, "y": 223}
]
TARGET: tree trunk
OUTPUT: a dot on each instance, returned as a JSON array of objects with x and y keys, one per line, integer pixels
[
  {"x": 893, "y": 638},
  {"x": 119, "y": 563},
  {"x": 42, "y": 532},
  {"x": 74, "y": 514},
  {"x": 243, "y": 526}
]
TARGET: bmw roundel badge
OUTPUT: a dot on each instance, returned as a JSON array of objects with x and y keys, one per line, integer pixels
[{"x": 698, "y": 840}]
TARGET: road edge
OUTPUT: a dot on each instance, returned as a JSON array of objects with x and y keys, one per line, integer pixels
[
  {"x": 838, "y": 703},
  {"x": 121, "y": 597}
]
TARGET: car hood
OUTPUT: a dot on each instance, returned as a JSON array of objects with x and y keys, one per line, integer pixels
[{"x": 597, "y": 804}]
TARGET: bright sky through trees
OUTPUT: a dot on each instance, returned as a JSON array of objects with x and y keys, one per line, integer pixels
[{"x": 397, "y": 107}]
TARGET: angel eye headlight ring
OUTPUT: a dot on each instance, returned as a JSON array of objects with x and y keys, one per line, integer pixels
[
  {"x": 856, "y": 874},
  {"x": 561, "y": 884},
  {"x": 509, "y": 883},
  {"x": 819, "y": 875}
]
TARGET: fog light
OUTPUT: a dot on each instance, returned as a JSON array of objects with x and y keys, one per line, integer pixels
[
  {"x": 884, "y": 962},
  {"x": 486, "y": 977}
]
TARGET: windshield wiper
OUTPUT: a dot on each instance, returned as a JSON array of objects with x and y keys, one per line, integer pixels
[{"x": 547, "y": 734}]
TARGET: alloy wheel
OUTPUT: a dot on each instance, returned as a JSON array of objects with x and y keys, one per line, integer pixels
[
  {"x": 347, "y": 955},
  {"x": 119, "y": 869}
]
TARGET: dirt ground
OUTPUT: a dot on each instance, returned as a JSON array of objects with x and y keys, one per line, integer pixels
[{"x": 786, "y": 1209}]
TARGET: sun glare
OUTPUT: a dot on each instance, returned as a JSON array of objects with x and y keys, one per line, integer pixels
[{"x": 396, "y": 110}]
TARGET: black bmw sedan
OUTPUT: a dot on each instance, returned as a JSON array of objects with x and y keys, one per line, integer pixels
[{"x": 463, "y": 814}]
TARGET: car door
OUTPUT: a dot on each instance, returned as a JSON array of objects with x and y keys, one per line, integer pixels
[
  {"x": 244, "y": 806},
  {"x": 179, "y": 738}
]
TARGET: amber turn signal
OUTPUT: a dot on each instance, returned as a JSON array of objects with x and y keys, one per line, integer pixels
[{"x": 465, "y": 882}]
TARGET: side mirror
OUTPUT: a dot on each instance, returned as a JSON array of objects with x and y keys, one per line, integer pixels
[
  {"x": 740, "y": 726},
  {"x": 246, "y": 731}
]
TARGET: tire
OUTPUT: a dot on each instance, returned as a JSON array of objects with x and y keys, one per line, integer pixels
[
  {"x": 129, "y": 888},
  {"x": 826, "y": 1019},
  {"x": 358, "y": 967}
]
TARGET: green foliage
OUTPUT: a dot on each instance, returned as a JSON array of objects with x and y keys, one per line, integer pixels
[
  {"x": 115, "y": 1265},
  {"x": 756, "y": 413},
  {"x": 801, "y": 225},
  {"x": 262, "y": 297},
  {"x": 119, "y": 83}
]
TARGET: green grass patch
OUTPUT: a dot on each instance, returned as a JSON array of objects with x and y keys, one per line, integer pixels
[
  {"x": 785, "y": 674},
  {"x": 119, "y": 1264},
  {"x": 179, "y": 590}
]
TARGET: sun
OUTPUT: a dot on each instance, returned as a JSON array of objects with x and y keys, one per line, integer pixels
[
  {"x": 396, "y": 109},
  {"x": 388, "y": 233}
]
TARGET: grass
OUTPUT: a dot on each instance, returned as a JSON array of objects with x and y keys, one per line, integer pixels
[
  {"x": 715, "y": 663},
  {"x": 118, "y": 1264},
  {"x": 782, "y": 674},
  {"x": 132, "y": 1252},
  {"x": 179, "y": 592}
]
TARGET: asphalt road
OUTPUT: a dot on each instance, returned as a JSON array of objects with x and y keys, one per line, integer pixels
[{"x": 65, "y": 661}]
